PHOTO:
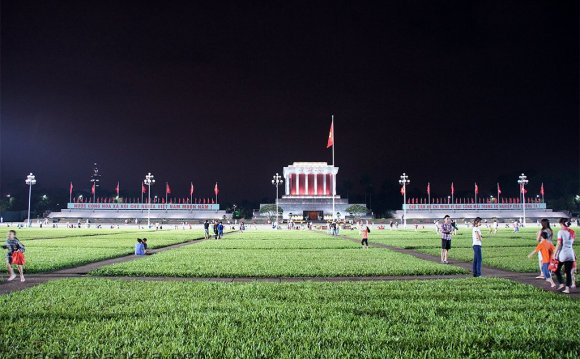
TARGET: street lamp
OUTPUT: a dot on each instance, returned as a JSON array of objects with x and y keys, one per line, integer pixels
[
  {"x": 404, "y": 181},
  {"x": 30, "y": 181},
  {"x": 276, "y": 181},
  {"x": 149, "y": 180},
  {"x": 523, "y": 181}
]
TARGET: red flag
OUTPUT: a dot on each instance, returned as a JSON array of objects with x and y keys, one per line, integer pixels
[
  {"x": 523, "y": 189},
  {"x": 476, "y": 188},
  {"x": 452, "y": 189},
  {"x": 117, "y": 189},
  {"x": 212, "y": 201},
  {"x": 541, "y": 189},
  {"x": 216, "y": 190},
  {"x": 167, "y": 188},
  {"x": 498, "y": 189},
  {"x": 330, "y": 142},
  {"x": 143, "y": 189},
  {"x": 429, "y": 188},
  {"x": 191, "y": 189},
  {"x": 93, "y": 188},
  {"x": 71, "y": 188},
  {"x": 163, "y": 200},
  {"x": 402, "y": 190}
]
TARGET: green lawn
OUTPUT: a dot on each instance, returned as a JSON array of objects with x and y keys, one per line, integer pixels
[
  {"x": 429, "y": 239},
  {"x": 505, "y": 250},
  {"x": 277, "y": 254},
  {"x": 440, "y": 318},
  {"x": 510, "y": 258},
  {"x": 78, "y": 248}
]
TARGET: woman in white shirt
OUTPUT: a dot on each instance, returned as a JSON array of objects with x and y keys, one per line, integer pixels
[
  {"x": 565, "y": 254},
  {"x": 476, "y": 237}
]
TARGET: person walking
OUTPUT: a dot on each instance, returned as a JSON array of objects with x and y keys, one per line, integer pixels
[
  {"x": 565, "y": 254},
  {"x": 206, "y": 229},
  {"x": 14, "y": 256},
  {"x": 446, "y": 230},
  {"x": 215, "y": 230},
  {"x": 220, "y": 228},
  {"x": 476, "y": 244},
  {"x": 364, "y": 231},
  {"x": 545, "y": 223},
  {"x": 547, "y": 249}
]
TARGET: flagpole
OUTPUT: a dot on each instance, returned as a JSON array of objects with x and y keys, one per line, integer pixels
[
  {"x": 497, "y": 195},
  {"x": 334, "y": 184}
]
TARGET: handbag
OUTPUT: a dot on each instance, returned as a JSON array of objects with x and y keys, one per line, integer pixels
[
  {"x": 18, "y": 258},
  {"x": 553, "y": 266}
]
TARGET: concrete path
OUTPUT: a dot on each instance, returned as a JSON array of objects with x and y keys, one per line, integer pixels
[
  {"x": 80, "y": 271},
  {"x": 526, "y": 278}
]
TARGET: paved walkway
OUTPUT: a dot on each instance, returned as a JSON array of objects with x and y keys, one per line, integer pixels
[
  {"x": 526, "y": 278},
  {"x": 82, "y": 272}
]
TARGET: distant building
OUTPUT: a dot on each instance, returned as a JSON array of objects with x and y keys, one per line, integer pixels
[{"x": 309, "y": 189}]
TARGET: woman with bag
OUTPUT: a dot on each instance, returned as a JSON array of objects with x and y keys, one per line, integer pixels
[
  {"x": 565, "y": 254},
  {"x": 15, "y": 255}
]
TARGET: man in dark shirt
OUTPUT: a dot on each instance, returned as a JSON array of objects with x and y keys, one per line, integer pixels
[
  {"x": 206, "y": 229},
  {"x": 446, "y": 230}
]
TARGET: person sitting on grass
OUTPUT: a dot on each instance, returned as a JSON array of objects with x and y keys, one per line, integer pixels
[
  {"x": 139, "y": 248},
  {"x": 13, "y": 245},
  {"x": 364, "y": 231},
  {"x": 547, "y": 249},
  {"x": 145, "y": 246}
]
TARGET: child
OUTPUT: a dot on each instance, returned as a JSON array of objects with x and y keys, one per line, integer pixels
[
  {"x": 547, "y": 249},
  {"x": 365, "y": 236},
  {"x": 476, "y": 237},
  {"x": 13, "y": 245}
]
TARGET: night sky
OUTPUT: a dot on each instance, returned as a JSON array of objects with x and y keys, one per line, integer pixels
[{"x": 445, "y": 91}]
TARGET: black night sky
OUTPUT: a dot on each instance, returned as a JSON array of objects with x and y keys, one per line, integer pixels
[{"x": 446, "y": 91}]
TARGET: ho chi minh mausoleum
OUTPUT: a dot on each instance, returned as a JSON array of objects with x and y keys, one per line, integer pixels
[{"x": 309, "y": 188}]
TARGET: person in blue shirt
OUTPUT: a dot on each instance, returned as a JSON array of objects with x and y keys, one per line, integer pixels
[
  {"x": 220, "y": 230},
  {"x": 139, "y": 248}
]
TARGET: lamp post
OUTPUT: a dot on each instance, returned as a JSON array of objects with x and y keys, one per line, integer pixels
[
  {"x": 30, "y": 181},
  {"x": 149, "y": 180},
  {"x": 276, "y": 181},
  {"x": 404, "y": 181},
  {"x": 523, "y": 181}
]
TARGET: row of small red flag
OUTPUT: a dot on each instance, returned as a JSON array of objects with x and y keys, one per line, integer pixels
[
  {"x": 144, "y": 189},
  {"x": 153, "y": 200},
  {"x": 476, "y": 189},
  {"x": 469, "y": 200}
]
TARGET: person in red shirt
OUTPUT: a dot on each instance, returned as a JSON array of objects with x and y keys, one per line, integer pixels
[{"x": 547, "y": 249}]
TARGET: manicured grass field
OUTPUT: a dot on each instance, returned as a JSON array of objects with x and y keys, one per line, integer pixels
[
  {"x": 504, "y": 250},
  {"x": 509, "y": 258},
  {"x": 440, "y": 318},
  {"x": 277, "y": 254},
  {"x": 78, "y": 247}
]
